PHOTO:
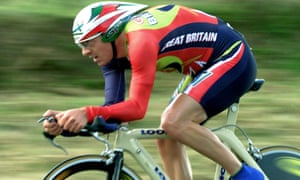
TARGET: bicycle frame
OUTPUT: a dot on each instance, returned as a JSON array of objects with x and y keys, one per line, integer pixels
[
  {"x": 128, "y": 141},
  {"x": 228, "y": 137},
  {"x": 110, "y": 161}
]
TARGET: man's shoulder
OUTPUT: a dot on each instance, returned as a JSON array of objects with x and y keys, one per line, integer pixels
[{"x": 154, "y": 18}]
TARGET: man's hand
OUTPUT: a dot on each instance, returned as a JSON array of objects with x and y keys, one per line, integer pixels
[
  {"x": 72, "y": 120},
  {"x": 52, "y": 127}
]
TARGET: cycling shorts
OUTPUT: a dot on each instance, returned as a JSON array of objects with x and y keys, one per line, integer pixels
[{"x": 225, "y": 80}]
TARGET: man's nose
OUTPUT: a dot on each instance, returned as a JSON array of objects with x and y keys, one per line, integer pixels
[{"x": 85, "y": 51}]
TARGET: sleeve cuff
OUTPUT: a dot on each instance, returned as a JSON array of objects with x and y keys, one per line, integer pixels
[{"x": 93, "y": 111}]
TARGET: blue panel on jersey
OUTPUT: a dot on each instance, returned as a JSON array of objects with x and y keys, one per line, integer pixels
[
  {"x": 190, "y": 35},
  {"x": 166, "y": 8}
]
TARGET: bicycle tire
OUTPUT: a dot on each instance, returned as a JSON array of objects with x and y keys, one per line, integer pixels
[
  {"x": 86, "y": 163},
  {"x": 280, "y": 162}
]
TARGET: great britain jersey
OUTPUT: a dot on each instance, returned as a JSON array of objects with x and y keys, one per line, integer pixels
[{"x": 167, "y": 38}]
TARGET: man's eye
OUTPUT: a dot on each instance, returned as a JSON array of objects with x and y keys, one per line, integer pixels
[{"x": 85, "y": 44}]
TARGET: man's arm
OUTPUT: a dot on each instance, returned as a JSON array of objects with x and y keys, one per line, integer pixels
[
  {"x": 115, "y": 83},
  {"x": 143, "y": 65}
]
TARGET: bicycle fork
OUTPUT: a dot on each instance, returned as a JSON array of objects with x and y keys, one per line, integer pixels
[{"x": 115, "y": 163}]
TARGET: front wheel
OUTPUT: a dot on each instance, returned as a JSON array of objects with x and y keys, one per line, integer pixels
[
  {"x": 280, "y": 162},
  {"x": 87, "y": 167}
]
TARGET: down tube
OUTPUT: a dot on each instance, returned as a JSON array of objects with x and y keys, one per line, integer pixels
[
  {"x": 232, "y": 141},
  {"x": 128, "y": 140}
]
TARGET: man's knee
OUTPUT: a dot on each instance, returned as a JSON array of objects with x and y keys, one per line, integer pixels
[
  {"x": 170, "y": 123},
  {"x": 178, "y": 115}
]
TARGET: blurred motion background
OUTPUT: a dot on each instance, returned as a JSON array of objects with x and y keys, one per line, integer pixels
[{"x": 41, "y": 68}]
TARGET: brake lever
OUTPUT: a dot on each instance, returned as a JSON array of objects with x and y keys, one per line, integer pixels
[
  {"x": 54, "y": 143},
  {"x": 50, "y": 137}
]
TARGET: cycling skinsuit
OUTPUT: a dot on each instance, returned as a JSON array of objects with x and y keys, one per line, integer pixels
[{"x": 218, "y": 63}]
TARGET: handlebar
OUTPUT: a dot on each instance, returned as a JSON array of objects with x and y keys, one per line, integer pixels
[{"x": 98, "y": 125}]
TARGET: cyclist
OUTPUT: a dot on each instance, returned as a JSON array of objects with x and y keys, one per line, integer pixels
[{"x": 216, "y": 60}]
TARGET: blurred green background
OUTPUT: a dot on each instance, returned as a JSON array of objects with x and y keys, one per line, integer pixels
[{"x": 42, "y": 69}]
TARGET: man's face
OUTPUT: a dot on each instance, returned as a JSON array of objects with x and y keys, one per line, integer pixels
[{"x": 100, "y": 52}]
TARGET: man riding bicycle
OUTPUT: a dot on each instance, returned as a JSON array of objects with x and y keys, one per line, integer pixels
[{"x": 216, "y": 60}]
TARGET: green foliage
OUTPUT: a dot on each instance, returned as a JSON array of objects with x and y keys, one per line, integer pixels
[{"x": 38, "y": 50}]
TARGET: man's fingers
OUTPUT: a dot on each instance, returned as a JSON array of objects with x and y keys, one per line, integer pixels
[
  {"x": 50, "y": 113},
  {"x": 76, "y": 127},
  {"x": 72, "y": 125},
  {"x": 52, "y": 128},
  {"x": 54, "y": 132},
  {"x": 71, "y": 120}
]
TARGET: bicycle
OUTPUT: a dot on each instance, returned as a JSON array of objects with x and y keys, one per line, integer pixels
[{"x": 276, "y": 162}]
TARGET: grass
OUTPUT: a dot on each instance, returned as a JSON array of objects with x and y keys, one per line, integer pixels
[{"x": 270, "y": 117}]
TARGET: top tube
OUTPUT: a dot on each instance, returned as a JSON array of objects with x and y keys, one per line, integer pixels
[{"x": 145, "y": 133}]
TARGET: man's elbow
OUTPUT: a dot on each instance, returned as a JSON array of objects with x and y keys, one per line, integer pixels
[{"x": 140, "y": 114}]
